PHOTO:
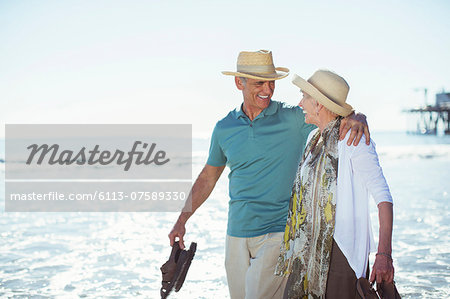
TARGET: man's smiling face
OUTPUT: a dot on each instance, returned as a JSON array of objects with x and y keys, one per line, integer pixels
[{"x": 257, "y": 94}]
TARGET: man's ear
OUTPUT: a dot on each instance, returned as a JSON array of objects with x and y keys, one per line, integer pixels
[{"x": 239, "y": 83}]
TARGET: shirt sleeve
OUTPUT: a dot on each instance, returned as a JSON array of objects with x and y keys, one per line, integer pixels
[
  {"x": 216, "y": 156},
  {"x": 366, "y": 167}
]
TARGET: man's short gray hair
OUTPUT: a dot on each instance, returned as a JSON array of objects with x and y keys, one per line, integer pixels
[{"x": 243, "y": 80}]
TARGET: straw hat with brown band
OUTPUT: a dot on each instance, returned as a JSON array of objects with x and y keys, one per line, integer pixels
[
  {"x": 328, "y": 88},
  {"x": 258, "y": 65}
]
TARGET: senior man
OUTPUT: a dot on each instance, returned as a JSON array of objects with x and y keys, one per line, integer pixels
[{"x": 261, "y": 142}]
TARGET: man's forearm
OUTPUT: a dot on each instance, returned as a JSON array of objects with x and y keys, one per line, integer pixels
[{"x": 200, "y": 191}]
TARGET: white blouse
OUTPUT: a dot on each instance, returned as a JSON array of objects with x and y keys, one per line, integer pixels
[{"x": 359, "y": 174}]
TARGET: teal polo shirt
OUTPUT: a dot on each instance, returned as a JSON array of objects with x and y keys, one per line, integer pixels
[{"x": 263, "y": 157}]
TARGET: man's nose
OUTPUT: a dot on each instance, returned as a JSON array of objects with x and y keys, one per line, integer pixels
[
  {"x": 267, "y": 88},
  {"x": 301, "y": 103}
]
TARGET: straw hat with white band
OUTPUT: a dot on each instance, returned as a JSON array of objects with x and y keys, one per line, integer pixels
[
  {"x": 258, "y": 65},
  {"x": 328, "y": 88}
]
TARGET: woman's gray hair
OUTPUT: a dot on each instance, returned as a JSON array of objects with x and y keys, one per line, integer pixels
[{"x": 316, "y": 103}]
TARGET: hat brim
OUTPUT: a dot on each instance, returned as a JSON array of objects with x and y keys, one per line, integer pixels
[
  {"x": 343, "y": 110},
  {"x": 281, "y": 72}
]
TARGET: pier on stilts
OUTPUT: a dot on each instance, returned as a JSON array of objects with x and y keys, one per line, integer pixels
[{"x": 428, "y": 116}]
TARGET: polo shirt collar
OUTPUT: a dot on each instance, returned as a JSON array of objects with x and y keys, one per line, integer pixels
[
  {"x": 240, "y": 112},
  {"x": 271, "y": 109},
  {"x": 268, "y": 111}
]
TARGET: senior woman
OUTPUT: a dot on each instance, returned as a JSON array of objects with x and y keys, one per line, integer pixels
[{"x": 328, "y": 234}]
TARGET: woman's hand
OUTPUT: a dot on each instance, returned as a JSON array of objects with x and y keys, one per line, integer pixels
[{"x": 382, "y": 269}]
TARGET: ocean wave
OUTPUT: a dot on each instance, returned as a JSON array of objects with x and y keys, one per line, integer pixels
[{"x": 415, "y": 152}]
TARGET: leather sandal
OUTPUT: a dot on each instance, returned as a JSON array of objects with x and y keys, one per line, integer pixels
[
  {"x": 168, "y": 270},
  {"x": 175, "y": 269},
  {"x": 365, "y": 289},
  {"x": 387, "y": 290},
  {"x": 184, "y": 262}
]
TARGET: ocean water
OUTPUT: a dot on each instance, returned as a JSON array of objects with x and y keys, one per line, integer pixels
[{"x": 118, "y": 255}]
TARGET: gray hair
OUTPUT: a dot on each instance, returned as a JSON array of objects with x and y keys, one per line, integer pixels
[{"x": 243, "y": 80}]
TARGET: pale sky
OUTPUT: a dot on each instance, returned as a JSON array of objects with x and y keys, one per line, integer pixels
[{"x": 151, "y": 62}]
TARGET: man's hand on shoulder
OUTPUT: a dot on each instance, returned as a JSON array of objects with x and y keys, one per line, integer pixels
[{"x": 358, "y": 124}]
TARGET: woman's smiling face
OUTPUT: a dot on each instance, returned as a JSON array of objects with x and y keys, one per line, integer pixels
[{"x": 309, "y": 106}]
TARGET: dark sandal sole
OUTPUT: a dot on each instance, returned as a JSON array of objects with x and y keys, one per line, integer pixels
[
  {"x": 175, "y": 269},
  {"x": 186, "y": 263},
  {"x": 169, "y": 271}
]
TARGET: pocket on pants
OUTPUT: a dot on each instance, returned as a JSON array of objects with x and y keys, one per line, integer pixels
[{"x": 275, "y": 237}]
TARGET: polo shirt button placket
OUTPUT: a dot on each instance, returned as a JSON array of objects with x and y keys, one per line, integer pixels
[{"x": 250, "y": 132}]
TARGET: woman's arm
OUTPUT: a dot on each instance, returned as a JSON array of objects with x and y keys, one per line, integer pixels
[
  {"x": 382, "y": 269},
  {"x": 367, "y": 168}
]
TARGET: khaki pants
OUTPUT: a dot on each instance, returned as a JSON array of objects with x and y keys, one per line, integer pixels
[{"x": 250, "y": 265}]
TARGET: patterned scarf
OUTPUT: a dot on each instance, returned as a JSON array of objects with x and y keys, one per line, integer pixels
[{"x": 306, "y": 249}]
